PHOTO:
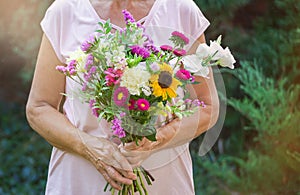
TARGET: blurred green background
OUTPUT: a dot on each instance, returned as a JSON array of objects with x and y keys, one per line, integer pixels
[{"x": 258, "y": 151}]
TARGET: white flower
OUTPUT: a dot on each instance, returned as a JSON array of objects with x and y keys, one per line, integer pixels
[
  {"x": 204, "y": 54},
  {"x": 193, "y": 63},
  {"x": 224, "y": 56},
  {"x": 227, "y": 60},
  {"x": 135, "y": 79},
  {"x": 146, "y": 90},
  {"x": 80, "y": 58}
]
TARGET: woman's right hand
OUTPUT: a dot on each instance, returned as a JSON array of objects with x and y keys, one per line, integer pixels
[{"x": 107, "y": 159}]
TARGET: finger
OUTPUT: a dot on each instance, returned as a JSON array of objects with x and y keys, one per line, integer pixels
[
  {"x": 116, "y": 176},
  {"x": 100, "y": 168},
  {"x": 128, "y": 174},
  {"x": 112, "y": 183}
]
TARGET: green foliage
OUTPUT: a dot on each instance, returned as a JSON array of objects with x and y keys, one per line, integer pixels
[
  {"x": 264, "y": 91},
  {"x": 24, "y": 154}
]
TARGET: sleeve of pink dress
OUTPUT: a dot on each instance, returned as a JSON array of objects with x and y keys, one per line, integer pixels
[{"x": 67, "y": 23}]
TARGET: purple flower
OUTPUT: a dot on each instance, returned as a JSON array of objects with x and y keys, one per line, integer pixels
[
  {"x": 152, "y": 48},
  {"x": 181, "y": 36},
  {"x": 197, "y": 102},
  {"x": 120, "y": 96},
  {"x": 62, "y": 69},
  {"x": 70, "y": 69},
  {"x": 90, "y": 73},
  {"x": 140, "y": 51},
  {"x": 128, "y": 17},
  {"x": 89, "y": 61},
  {"x": 166, "y": 48},
  {"x": 87, "y": 44},
  {"x": 117, "y": 128}
]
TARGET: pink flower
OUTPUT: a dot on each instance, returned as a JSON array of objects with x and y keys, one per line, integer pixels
[
  {"x": 113, "y": 76},
  {"x": 120, "y": 96},
  {"x": 183, "y": 74},
  {"x": 143, "y": 104},
  {"x": 179, "y": 52},
  {"x": 166, "y": 48},
  {"x": 95, "y": 111},
  {"x": 181, "y": 36}
]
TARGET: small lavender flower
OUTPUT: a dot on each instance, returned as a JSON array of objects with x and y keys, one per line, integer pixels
[
  {"x": 117, "y": 128},
  {"x": 87, "y": 44},
  {"x": 89, "y": 61}
]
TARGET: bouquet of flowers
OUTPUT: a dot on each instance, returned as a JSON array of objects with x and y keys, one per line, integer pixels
[{"x": 129, "y": 81}]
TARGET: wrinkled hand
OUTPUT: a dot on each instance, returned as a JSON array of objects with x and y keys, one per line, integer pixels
[
  {"x": 108, "y": 160},
  {"x": 137, "y": 154}
]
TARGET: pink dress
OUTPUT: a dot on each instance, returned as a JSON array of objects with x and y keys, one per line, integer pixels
[{"x": 67, "y": 24}]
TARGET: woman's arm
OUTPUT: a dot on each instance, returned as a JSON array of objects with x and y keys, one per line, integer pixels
[{"x": 44, "y": 117}]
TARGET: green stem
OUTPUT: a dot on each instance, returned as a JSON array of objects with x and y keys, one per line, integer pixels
[
  {"x": 137, "y": 185},
  {"x": 141, "y": 180}
]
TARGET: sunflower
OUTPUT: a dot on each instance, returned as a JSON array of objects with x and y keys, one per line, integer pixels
[{"x": 163, "y": 83}]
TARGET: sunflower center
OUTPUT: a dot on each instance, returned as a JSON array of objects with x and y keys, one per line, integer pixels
[{"x": 165, "y": 79}]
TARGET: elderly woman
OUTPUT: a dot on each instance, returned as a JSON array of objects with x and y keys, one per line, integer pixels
[{"x": 84, "y": 158}]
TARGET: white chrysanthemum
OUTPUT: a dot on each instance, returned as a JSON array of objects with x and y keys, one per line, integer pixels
[
  {"x": 80, "y": 57},
  {"x": 134, "y": 79}
]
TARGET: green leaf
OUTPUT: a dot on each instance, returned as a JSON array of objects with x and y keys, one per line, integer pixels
[{"x": 152, "y": 137}]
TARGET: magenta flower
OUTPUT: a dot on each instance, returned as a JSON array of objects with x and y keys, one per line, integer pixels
[
  {"x": 117, "y": 128},
  {"x": 120, "y": 96},
  {"x": 143, "y": 104},
  {"x": 183, "y": 74},
  {"x": 87, "y": 44},
  {"x": 181, "y": 36},
  {"x": 140, "y": 51},
  {"x": 128, "y": 17},
  {"x": 166, "y": 48},
  {"x": 179, "y": 52},
  {"x": 113, "y": 76}
]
